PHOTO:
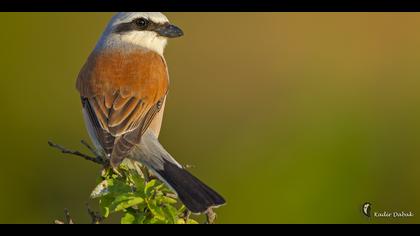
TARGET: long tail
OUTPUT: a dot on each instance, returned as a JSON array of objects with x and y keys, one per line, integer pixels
[{"x": 195, "y": 195}]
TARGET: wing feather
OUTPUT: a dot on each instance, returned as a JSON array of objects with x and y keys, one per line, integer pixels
[
  {"x": 122, "y": 97},
  {"x": 121, "y": 113}
]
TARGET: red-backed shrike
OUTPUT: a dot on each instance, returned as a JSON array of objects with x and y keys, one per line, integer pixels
[{"x": 123, "y": 86}]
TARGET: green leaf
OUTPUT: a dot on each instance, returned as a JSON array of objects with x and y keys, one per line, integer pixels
[
  {"x": 125, "y": 201},
  {"x": 170, "y": 213},
  {"x": 105, "y": 211},
  {"x": 181, "y": 210},
  {"x": 123, "y": 168},
  {"x": 160, "y": 187},
  {"x": 154, "y": 221},
  {"x": 109, "y": 186},
  {"x": 128, "y": 218},
  {"x": 106, "y": 172},
  {"x": 192, "y": 222},
  {"x": 140, "y": 217},
  {"x": 129, "y": 203},
  {"x": 137, "y": 180},
  {"x": 118, "y": 187},
  {"x": 149, "y": 185},
  {"x": 104, "y": 203},
  {"x": 156, "y": 210},
  {"x": 180, "y": 221},
  {"x": 168, "y": 200}
]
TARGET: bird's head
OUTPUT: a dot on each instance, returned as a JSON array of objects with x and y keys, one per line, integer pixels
[{"x": 149, "y": 30}]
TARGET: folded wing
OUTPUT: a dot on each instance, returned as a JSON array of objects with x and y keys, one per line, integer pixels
[{"x": 121, "y": 94}]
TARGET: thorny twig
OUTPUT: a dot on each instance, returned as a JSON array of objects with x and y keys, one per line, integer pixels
[{"x": 97, "y": 159}]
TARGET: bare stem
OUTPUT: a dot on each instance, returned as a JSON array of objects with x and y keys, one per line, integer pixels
[
  {"x": 95, "y": 216},
  {"x": 90, "y": 148},
  {"x": 67, "y": 219},
  {"x": 97, "y": 159}
]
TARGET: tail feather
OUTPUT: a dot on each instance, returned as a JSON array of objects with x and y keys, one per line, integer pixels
[{"x": 195, "y": 195}]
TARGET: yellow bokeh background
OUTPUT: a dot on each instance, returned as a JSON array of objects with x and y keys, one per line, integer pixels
[{"x": 293, "y": 117}]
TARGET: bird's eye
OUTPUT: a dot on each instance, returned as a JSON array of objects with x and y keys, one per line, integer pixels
[{"x": 142, "y": 23}]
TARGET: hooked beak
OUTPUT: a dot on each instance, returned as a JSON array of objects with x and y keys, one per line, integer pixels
[{"x": 169, "y": 31}]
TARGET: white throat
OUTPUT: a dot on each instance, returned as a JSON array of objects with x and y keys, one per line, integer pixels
[{"x": 132, "y": 41}]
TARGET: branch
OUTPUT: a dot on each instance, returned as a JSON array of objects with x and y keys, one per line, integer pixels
[
  {"x": 96, "y": 159},
  {"x": 96, "y": 217},
  {"x": 91, "y": 149},
  {"x": 67, "y": 219}
]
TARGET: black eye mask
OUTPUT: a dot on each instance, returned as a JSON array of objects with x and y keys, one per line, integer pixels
[
  {"x": 141, "y": 24},
  {"x": 136, "y": 25}
]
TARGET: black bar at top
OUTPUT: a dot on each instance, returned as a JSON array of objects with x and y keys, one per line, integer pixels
[{"x": 210, "y": 5}]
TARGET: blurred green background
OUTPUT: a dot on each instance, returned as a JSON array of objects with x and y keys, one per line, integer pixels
[{"x": 293, "y": 117}]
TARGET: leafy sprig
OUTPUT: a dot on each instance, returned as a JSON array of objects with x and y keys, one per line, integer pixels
[
  {"x": 140, "y": 201},
  {"x": 141, "y": 198}
]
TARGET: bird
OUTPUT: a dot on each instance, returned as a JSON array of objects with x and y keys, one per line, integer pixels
[{"x": 123, "y": 87}]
